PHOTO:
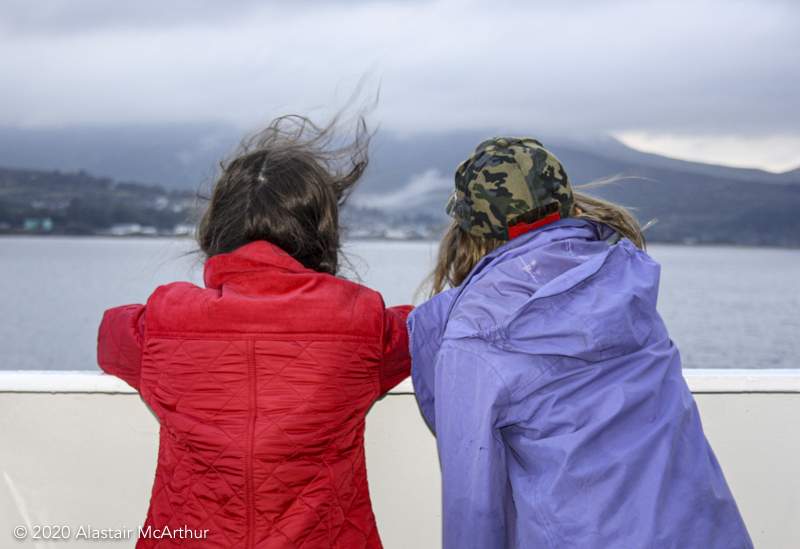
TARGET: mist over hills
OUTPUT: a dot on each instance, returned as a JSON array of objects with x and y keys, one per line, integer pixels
[
  {"x": 410, "y": 178},
  {"x": 689, "y": 201},
  {"x": 176, "y": 156}
]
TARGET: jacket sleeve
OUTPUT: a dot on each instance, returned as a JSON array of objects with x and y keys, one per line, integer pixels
[
  {"x": 119, "y": 343},
  {"x": 396, "y": 362},
  {"x": 471, "y": 400}
]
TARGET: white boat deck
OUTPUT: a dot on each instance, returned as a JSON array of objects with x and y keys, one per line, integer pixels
[{"x": 79, "y": 450}]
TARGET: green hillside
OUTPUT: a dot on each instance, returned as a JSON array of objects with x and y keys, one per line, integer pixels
[{"x": 79, "y": 204}]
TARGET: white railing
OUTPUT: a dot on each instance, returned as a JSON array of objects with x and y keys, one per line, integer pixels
[
  {"x": 79, "y": 450},
  {"x": 699, "y": 381}
]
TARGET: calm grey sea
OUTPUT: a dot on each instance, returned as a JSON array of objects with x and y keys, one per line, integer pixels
[{"x": 725, "y": 307}]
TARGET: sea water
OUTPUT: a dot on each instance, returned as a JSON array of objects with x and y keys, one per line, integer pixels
[{"x": 725, "y": 307}]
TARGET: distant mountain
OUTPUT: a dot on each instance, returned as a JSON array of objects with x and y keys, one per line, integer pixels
[
  {"x": 689, "y": 201},
  {"x": 608, "y": 147},
  {"x": 177, "y": 156},
  {"x": 397, "y": 160},
  {"x": 410, "y": 177}
]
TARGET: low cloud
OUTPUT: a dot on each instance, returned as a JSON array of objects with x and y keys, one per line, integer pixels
[
  {"x": 419, "y": 190},
  {"x": 679, "y": 67},
  {"x": 778, "y": 153}
]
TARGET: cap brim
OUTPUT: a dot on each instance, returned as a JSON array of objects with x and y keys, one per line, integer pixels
[{"x": 451, "y": 204}]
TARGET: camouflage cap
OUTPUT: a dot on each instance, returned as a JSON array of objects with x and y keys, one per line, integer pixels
[{"x": 506, "y": 177}]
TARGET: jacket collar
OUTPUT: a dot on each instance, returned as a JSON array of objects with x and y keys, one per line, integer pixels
[
  {"x": 253, "y": 257},
  {"x": 535, "y": 238},
  {"x": 432, "y": 316}
]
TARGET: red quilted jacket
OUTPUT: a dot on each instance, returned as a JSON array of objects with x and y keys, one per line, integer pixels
[{"x": 261, "y": 382}]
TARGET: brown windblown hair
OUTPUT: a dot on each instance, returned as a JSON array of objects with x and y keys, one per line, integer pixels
[
  {"x": 286, "y": 185},
  {"x": 459, "y": 251}
]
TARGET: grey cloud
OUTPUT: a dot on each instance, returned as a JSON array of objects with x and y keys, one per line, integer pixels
[
  {"x": 573, "y": 67},
  {"x": 66, "y": 17},
  {"x": 77, "y": 16},
  {"x": 726, "y": 66}
]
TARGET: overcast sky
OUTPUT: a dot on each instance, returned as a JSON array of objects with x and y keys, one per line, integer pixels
[{"x": 708, "y": 80}]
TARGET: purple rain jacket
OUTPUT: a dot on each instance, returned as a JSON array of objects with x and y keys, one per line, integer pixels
[{"x": 562, "y": 417}]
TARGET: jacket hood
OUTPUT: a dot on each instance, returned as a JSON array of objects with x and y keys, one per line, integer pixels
[
  {"x": 561, "y": 290},
  {"x": 559, "y": 405}
]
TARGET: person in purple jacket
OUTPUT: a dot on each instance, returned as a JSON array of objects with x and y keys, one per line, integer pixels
[{"x": 556, "y": 394}]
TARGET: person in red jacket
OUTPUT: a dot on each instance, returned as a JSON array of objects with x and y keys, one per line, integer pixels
[{"x": 262, "y": 380}]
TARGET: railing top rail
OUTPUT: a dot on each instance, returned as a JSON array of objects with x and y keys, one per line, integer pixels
[{"x": 699, "y": 381}]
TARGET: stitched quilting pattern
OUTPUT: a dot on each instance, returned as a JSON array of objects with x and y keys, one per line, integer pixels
[
  {"x": 308, "y": 471},
  {"x": 261, "y": 382}
]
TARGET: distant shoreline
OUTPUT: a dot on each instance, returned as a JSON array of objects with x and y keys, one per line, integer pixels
[{"x": 23, "y": 235}]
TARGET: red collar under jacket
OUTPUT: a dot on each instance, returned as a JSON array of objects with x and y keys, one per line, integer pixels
[{"x": 261, "y": 382}]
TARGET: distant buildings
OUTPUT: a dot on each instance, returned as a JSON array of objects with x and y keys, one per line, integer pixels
[
  {"x": 34, "y": 224},
  {"x": 135, "y": 229}
]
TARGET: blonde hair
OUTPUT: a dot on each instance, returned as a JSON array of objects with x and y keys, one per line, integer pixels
[{"x": 459, "y": 251}]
